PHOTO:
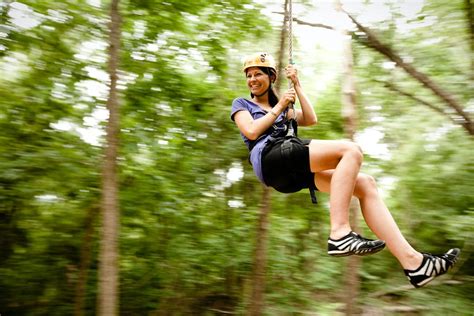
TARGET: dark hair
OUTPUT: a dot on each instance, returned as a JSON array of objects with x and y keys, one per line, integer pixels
[{"x": 272, "y": 95}]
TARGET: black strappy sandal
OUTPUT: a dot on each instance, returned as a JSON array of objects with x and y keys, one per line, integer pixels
[
  {"x": 354, "y": 244},
  {"x": 432, "y": 266}
]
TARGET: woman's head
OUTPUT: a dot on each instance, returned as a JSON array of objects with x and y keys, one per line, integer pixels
[
  {"x": 260, "y": 70},
  {"x": 260, "y": 60}
]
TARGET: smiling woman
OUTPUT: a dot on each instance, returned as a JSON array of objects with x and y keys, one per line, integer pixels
[{"x": 265, "y": 122}]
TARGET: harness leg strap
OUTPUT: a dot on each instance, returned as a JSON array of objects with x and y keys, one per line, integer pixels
[{"x": 312, "y": 192}]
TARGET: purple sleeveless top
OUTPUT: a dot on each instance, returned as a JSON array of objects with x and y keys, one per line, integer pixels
[{"x": 241, "y": 104}]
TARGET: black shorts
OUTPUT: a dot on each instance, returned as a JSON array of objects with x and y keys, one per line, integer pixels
[{"x": 289, "y": 172}]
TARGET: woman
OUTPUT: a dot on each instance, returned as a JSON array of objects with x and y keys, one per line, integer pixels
[{"x": 331, "y": 166}]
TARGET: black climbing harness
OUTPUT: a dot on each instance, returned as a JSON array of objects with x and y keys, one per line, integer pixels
[{"x": 285, "y": 133}]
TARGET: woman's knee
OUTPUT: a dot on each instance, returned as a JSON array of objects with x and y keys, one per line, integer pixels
[
  {"x": 365, "y": 184},
  {"x": 326, "y": 155},
  {"x": 354, "y": 151}
]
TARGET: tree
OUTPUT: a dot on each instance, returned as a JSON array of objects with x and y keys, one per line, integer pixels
[
  {"x": 189, "y": 201},
  {"x": 450, "y": 100},
  {"x": 257, "y": 305},
  {"x": 85, "y": 260},
  {"x": 469, "y": 9},
  {"x": 371, "y": 40},
  {"x": 108, "y": 270},
  {"x": 349, "y": 114}
]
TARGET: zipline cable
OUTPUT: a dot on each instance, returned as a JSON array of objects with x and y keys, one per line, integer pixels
[
  {"x": 290, "y": 55},
  {"x": 290, "y": 32}
]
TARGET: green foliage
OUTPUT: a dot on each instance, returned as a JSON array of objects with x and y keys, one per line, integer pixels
[{"x": 187, "y": 231}]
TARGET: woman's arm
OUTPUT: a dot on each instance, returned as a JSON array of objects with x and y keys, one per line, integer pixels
[
  {"x": 306, "y": 115},
  {"x": 252, "y": 129}
]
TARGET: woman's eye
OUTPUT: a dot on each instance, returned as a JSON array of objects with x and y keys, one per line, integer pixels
[{"x": 255, "y": 75}]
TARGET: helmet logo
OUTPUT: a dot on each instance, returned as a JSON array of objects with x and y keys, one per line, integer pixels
[{"x": 262, "y": 57}]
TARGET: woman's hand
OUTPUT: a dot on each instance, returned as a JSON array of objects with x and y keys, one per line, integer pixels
[
  {"x": 292, "y": 74},
  {"x": 306, "y": 115},
  {"x": 289, "y": 97}
]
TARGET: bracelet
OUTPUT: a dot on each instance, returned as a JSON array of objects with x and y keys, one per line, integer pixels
[{"x": 273, "y": 113}]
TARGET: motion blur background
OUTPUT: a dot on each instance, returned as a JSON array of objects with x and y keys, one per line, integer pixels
[{"x": 189, "y": 201}]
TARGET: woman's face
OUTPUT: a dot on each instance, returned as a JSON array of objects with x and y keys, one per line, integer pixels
[{"x": 257, "y": 81}]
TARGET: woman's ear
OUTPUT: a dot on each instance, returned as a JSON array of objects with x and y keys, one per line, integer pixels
[{"x": 273, "y": 78}]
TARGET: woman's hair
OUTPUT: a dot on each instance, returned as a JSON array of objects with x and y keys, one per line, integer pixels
[{"x": 272, "y": 95}]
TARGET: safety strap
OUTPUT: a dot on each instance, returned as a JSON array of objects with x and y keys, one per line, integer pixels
[
  {"x": 270, "y": 131},
  {"x": 276, "y": 130},
  {"x": 312, "y": 192}
]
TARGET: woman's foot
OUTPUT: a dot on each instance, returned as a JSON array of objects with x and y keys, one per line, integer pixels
[
  {"x": 354, "y": 244},
  {"x": 432, "y": 266}
]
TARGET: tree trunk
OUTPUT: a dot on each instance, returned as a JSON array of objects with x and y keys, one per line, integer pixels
[
  {"x": 230, "y": 275},
  {"x": 86, "y": 254},
  {"x": 351, "y": 289},
  {"x": 349, "y": 106},
  {"x": 349, "y": 114},
  {"x": 108, "y": 266},
  {"x": 469, "y": 8},
  {"x": 257, "y": 299},
  {"x": 281, "y": 55},
  {"x": 260, "y": 258}
]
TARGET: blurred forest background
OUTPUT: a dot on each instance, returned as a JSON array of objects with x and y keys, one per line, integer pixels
[{"x": 189, "y": 205}]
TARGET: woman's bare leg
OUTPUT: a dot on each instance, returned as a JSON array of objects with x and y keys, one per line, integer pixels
[
  {"x": 377, "y": 216},
  {"x": 345, "y": 158}
]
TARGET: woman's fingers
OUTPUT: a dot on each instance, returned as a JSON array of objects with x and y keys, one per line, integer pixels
[
  {"x": 290, "y": 94},
  {"x": 291, "y": 71}
]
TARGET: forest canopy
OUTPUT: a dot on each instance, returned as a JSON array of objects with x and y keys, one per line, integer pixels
[{"x": 188, "y": 202}]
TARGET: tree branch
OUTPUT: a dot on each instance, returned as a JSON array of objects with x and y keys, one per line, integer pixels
[
  {"x": 394, "y": 88},
  {"x": 373, "y": 42},
  {"x": 301, "y": 22}
]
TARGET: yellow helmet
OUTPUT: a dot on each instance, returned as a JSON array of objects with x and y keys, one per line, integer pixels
[{"x": 259, "y": 60}]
